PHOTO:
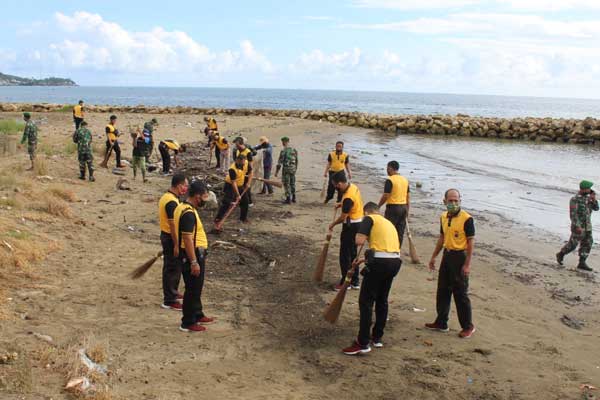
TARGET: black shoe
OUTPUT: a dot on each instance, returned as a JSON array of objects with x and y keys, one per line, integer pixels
[
  {"x": 92, "y": 179},
  {"x": 560, "y": 257},
  {"x": 583, "y": 266},
  {"x": 82, "y": 177},
  {"x": 262, "y": 192},
  {"x": 293, "y": 198},
  {"x": 287, "y": 201}
]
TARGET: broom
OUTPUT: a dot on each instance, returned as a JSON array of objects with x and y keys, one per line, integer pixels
[
  {"x": 324, "y": 188},
  {"x": 332, "y": 311},
  {"x": 104, "y": 163},
  {"x": 219, "y": 225},
  {"x": 142, "y": 269},
  {"x": 414, "y": 257},
  {"x": 318, "y": 274},
  {"x": 270, "y": 182}
]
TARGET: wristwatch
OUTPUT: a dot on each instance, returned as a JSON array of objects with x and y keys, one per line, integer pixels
[{"x": 194, "y": 262}]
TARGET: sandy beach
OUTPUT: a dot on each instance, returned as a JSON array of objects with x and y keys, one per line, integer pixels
[{"x": 270, "y": 340}]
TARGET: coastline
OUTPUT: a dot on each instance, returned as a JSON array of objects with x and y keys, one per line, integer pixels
[
  {"x": 270, "y": 339},
  {"x": 560, "y": 130}
]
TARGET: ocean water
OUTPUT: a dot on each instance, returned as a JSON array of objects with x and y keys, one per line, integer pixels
[{"x": 373, "y": 102}]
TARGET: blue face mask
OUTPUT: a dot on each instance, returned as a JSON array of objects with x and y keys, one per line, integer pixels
[{"x": 452, "y": 208}]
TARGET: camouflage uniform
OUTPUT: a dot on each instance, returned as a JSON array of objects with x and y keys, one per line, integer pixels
[
  {"x": 84, "y": 152},
  {"x": 148, "y": 133},
  {"x": 581, "y": 207},
  {"x": 30, "y": 135},
  {"x": 288, "y": 161}
]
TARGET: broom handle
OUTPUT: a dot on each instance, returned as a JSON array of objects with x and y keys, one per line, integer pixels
[
  {"x": 351, "y": 271},
  {"x": 231, "y": 208}
]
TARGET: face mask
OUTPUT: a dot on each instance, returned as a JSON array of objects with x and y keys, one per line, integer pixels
[{"x": 452, "y": 208}]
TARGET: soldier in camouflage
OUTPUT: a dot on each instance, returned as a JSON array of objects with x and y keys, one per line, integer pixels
[
  {"x": 288, "y": 161},
  {"x": 30, "y": 136},
  {"x": 581, "y": 207},
  {"x": 149, "y": 137},
  {"x": 84, "y": 151}
]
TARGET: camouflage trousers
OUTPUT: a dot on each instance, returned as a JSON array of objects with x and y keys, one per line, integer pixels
[
  {"x": 288, "y": 177},
  {"x": 583, "y": 239},
  {"x": 86, "y": 159},
  {"x": 31, "y": 147}
]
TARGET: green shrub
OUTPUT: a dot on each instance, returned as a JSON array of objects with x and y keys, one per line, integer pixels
[{"x": 11, "y": 127}]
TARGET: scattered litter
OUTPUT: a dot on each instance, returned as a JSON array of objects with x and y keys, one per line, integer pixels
[
  {"x": 123, "y": 184},
  {"x": 5, "y": 243},
  {"x": 572, "y": 322},
  {"x": 130, "y": 228},
  {"x": 272, "y": 264},
  {"x": 419, "y": 185},
  {"x": 428, "y": 343},
  {"x": 585, "y": 386},
  {"x": 469, "y": 380},
  {"x": 8, "y": 357},
  {"x": 44, "y": 178},
  {"x": 78, "y": 384},
  {"x": 45, "y": 338},
  {"x": 118, "y": 171},
  {"x": 92, "y": 366},
  {"x": 415, "y": 309},
  {"x": 223, "y": 244}
]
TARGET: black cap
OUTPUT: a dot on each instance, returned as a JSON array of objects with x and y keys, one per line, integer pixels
[{"x": 197, "y": 187}]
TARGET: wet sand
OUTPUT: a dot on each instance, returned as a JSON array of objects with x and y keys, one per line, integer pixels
[{"x": 270, "y": 339}]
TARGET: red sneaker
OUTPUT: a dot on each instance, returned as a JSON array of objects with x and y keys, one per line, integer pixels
[
  {"x": 192, "y": 328},
  {"x": 179, "y": 296},
  {"x": 467, "y": 333},
  {"x": 206, "y": 320},
  {"x": 172, "y": 306},
  {"x": 356, "y": 349},
  {"x": 437, "y": 327}
]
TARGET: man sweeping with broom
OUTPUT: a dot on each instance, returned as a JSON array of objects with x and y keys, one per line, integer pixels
[
  {"x": 237, "y": 181},
  {"x": 192, "y": 244},
  {"x": 171, "y": 274},
  {"x": 382, "y": 265}
]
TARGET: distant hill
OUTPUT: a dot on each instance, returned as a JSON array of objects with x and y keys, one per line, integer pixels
[{"x": 11, "y": 80}]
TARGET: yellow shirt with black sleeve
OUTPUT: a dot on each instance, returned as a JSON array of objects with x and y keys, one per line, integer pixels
[
  {"x": 397, "y": 187},
  {"x": 246, "y": 152},
  {"x": 381, "y": 233},
  {"x": 166, "y": 211},
  {"x": 352, "y": 204},
  {"x": 188, "y": 221},
  {"x": 238, "y": 175},
  {"x": 212, "y": 124},
  {"x": 111, "y": 132},
  {"x": 222, "y": 143},
  {"x": 337, "y": 161},
  {"x": 78, "y": 111},
  {"x": 172, "y": 145},
  {"x": 456, "y": 230}
]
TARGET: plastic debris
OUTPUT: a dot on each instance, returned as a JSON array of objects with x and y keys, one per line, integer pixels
[
  {"x": 91, "y": 365},
  {"x": 45, "y": 338},
  {"x": 415, "y": 309},
  {"x": 80, "y": 384}
]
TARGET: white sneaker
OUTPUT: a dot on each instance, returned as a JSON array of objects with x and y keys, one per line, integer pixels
[
  {"x": 355, "y": 287},
  {"x": 377, "y": 343}
]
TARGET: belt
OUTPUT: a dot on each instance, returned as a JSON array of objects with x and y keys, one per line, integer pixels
[
  {"x": 454, "y": 251},
  {"x": 385, "y": 254},
  {"x": 355, "y": 221}
]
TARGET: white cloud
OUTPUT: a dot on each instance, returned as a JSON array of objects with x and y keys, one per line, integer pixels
[
  {"x": 550, "y": 5},
  {"x": 96, "y": 43},
  {"x": 412, "y": 4},
  {"x": 317, "y": 61},
  {"x": 318, "y": 18}
]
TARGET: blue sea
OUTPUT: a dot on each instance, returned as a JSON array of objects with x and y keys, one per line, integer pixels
[{"x": 372, "y": 102}]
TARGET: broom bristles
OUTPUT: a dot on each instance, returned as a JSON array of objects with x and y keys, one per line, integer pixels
[
  {"x": 318, "y": 274},
  {"x": 142, "y": 269},
  {"x": 324, "y": 188},
  {"x": 333, "y": 310},
  {"x": 414, "y": 257}
]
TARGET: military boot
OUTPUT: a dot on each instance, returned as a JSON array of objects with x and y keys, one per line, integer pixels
[
  {"x": 287, "y": 200},
  {"x": 294, "y": 198},
  {"x": 92, "y": 179},
  {"x": 82, "y": 174},
  {"x": 583, "y": 265},
  {"x": 560, "y": 256}
]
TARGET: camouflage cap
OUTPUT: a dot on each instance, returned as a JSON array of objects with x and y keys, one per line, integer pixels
[
  {"x": 154, "y": 121},
  {"x": 285, "y": 139},
  {"x": 585, "y": 184},
  {"x": 26, "y": 115}
]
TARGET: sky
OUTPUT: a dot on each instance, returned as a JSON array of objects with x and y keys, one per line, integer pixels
[{"x": 508, "y": 47}]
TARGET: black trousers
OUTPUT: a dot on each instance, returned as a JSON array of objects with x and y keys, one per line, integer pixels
[
  {"x": 171, "y": 273},
  {"x": 228, "y": 198},
  {"x": 451, "y": 282},
  {"x": 149, "y": 151},
  {"x": 375, "y": 289},
  {"x": 396, "y": 214},
  {"x": 77, "y": 121},
  {"x": 192, "y": 297},
  {"x": 218, "y": 156},
  {"x": 166, "y": 157},
  {"x": 331, "y": 189},
  {"x": 348, "y": 250},
  {"x": 117, "y": 150}
]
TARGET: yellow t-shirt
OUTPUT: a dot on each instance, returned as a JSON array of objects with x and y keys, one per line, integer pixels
[{"x": 199, "y": 235}]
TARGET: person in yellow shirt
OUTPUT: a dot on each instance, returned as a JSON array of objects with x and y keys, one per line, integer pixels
[
  {"x": 170, "y": 145},
  {"x": 192, "y": 245},
  {"x": 337, "y": 161},
  {"x": 236, "y": 183},
  {"x": 221, "y": 146},
  {"x": 396, "y": 197},
  {"x": 171, "y": 273},
  {"x": 382, "y": 265},
  {"x": 350, "y": 218},
  {"x": 78, "y": 114},
  {"x": 457, "y": 238},
  {"x": 112, "y": 142}
]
